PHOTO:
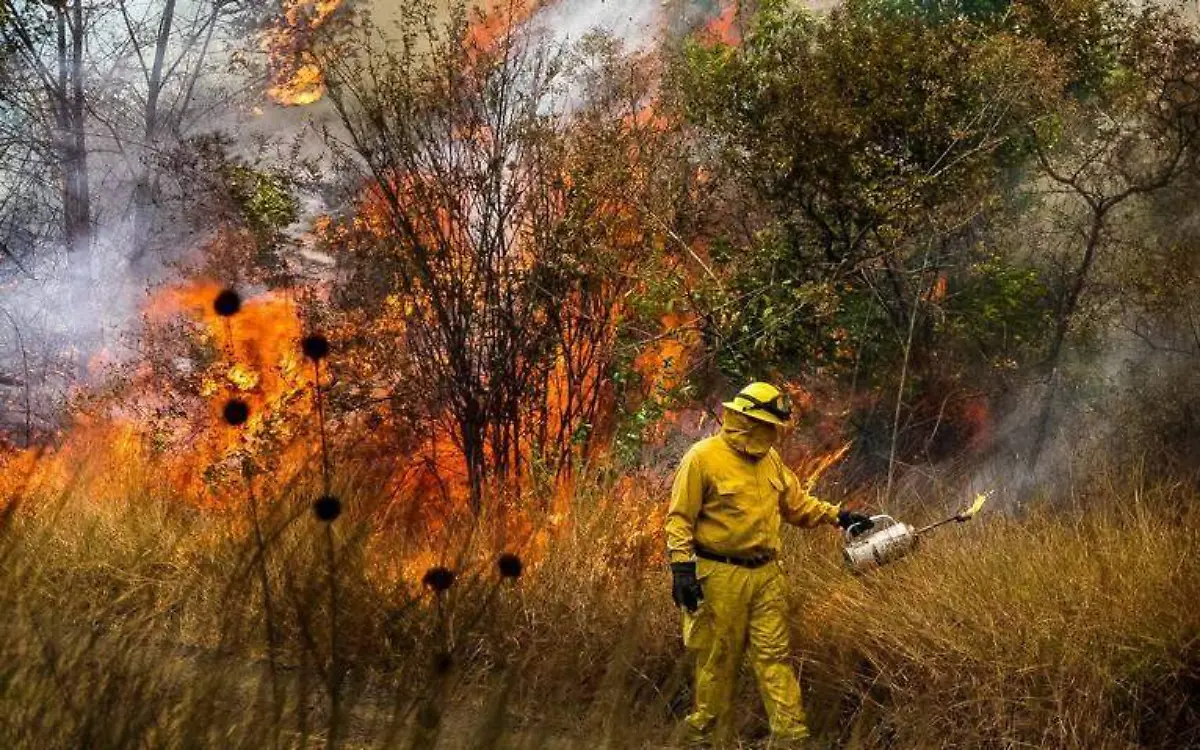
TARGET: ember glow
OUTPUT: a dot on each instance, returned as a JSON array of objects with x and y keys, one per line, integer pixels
[
  {"x": 259, "y": 353},
  {"x": 253, "y": 357}
]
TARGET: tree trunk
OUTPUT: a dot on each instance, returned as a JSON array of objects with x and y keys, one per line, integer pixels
[
  {"x": 143, "y": 197},
  {"x": 77, "y": 204},
  {"x": 1062, "y": 326},
  {"x": 67, "y": 93},
  {"x": 473, "y": 430}
]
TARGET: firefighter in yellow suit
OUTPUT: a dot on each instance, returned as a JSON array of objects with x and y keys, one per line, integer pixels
[{"x": 731, "y": 494}]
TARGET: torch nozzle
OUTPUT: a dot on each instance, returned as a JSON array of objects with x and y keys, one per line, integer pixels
[{"x": 964, "y": 515}]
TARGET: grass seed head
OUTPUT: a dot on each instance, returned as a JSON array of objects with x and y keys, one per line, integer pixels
[
  {"x": 510, "y": 565},
  {"x": 236, "y": 412},
  {"x": 227, "y": 303},
  {"x": 315, "y": 346},
  {"x": 439, "y": 578},
  {"x": 327, "y": 508}
]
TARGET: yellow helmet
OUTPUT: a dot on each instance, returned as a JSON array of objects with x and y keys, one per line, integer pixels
[{"x": 764, "y": 402}]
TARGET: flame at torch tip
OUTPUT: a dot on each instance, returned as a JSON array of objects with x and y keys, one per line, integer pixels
[{"x": 980, "y": 499}]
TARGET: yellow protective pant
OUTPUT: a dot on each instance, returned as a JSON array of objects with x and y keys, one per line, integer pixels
[{"x": 744, "y": 610}]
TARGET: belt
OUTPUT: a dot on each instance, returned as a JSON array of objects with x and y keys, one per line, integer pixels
[{"x": 742, "y": 562}]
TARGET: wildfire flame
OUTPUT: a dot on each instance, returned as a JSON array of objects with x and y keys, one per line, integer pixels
[
  {"x": 493, "y": 21},
  {"x": 255, "y": 357},
  {"x": 296, "y": 76},
  {"x": 812, "y": 473},
  {"x": 726, "y": 27}
]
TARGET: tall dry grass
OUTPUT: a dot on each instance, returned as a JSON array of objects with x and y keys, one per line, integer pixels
[
  {"x": 143, "y": 623},
  {"x": 1074, "y": 626}
]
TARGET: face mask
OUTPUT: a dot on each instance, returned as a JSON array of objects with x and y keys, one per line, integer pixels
[{"x": 750, "y": 436}]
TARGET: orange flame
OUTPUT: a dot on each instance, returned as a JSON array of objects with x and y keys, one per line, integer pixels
[
  {"x": 491, "y": 21},
  {"x": 253, "y": 356},
  {"x": 296, "y": 77},
  {"x": 725, "y": 28},
  {"x": 816, "y": 467}
]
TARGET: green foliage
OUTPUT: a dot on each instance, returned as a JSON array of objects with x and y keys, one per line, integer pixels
[
  {"x": 634, "y": 425},
  {"x": 264, "y": 198},
  {"x": 874, "y": 149},
  {"x": 1085, "y": 36},
  {"x": 874, "y": 152},
  {"x": 1000, "y": 308},
  {"x": 863, "y": 126},
  {"x": 775, "y": 315},
  {"x": 864, "y": 138},
  {"x": 945, "y": 10}
]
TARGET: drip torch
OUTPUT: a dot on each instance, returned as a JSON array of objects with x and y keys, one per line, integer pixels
[{"x": 890, "y": 539}]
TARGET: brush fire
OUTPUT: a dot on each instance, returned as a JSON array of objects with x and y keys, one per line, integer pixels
[{"x": 296, "y": 76}]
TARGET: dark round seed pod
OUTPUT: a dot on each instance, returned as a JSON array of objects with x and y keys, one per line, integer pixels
[
  {"x": 315, "y": 346},
  {"x": 327, "y": 508},
  {"x": 236, "y": 412},
  {"x": 510, "y": 565},
  {"x": 438, "y": 578},
  {"x": 227, "y": 303}
]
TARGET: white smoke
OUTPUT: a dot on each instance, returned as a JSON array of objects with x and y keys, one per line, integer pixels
[
  {"x": 60, "y": 314},
  {"x": 637, "y": 24}
]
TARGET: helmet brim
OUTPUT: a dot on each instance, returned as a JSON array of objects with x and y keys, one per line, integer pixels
[{"x": 756, "y": 414}]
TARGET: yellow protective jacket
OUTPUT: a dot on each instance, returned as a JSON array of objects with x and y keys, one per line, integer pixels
[{"x": 729, "y": 502}]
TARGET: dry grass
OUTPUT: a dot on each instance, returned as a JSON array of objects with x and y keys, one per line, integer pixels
[
  {"x": 1071, "y": 627},
  {"x": 145, "y": 624}
]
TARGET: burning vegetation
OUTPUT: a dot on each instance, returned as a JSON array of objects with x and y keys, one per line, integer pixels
[{"x": 295, "y": 74}]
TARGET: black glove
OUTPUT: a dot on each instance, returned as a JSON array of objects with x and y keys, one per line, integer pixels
[
  {"x": 861, "y": 523},
  {"x": 685, "y": 587}
]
